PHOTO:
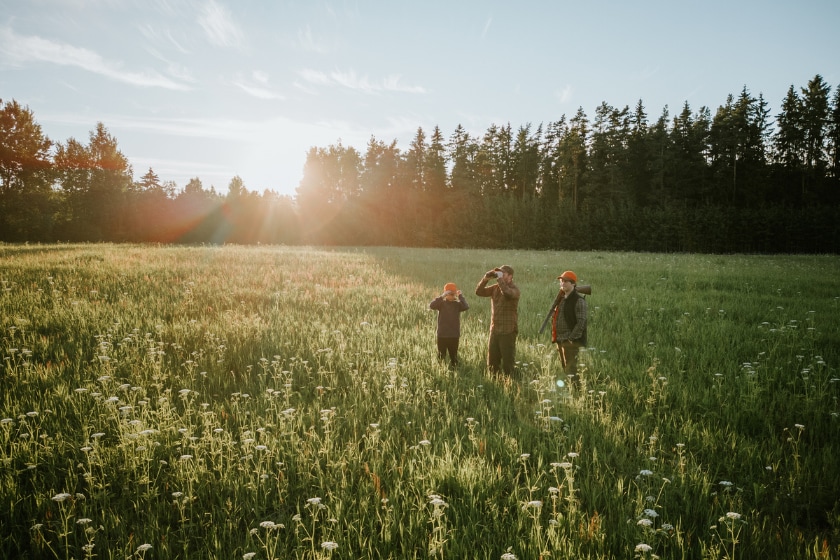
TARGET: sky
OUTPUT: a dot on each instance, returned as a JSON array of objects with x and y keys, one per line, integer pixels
[{"x": 221, "y": 88}]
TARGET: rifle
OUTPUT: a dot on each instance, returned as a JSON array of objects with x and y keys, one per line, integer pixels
[{"x": 584, "y": 289}]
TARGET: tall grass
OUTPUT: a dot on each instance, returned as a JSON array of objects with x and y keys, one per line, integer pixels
[{"x": 268, "y": 402}]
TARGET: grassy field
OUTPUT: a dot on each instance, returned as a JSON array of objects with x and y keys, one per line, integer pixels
[{"x": 276, "y": 402}]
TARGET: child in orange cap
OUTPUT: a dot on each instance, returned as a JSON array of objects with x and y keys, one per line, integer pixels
[
  {"x": 569, "y": 330},
  {"x": 449, "y": 305}
]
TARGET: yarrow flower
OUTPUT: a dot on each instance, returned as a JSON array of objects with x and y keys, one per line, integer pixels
[
  {"x": 144, "y": 547},
  {"x": 329, "y": 545},
  {"x": 436, "y": 500},
  {"x": 642, "y": 547},
  {"x": 61, "y": 497},
  {"x": 646, "y": 472},
  {"x": 508, "y": 556},
  {"x": 644, "y": 522}
]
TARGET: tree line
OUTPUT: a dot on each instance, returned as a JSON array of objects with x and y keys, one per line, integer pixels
[{"x": 739, "y": 180}]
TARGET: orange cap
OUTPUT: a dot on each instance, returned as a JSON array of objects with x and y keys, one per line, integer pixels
[
  {"x": 569, "y": 275},
  {"x": 450, "y": 287}
]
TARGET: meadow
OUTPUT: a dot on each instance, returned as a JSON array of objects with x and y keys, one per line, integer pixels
[{"x": 286, "y": 402}]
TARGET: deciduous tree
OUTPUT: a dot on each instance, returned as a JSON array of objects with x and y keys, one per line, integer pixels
[{"x": 25, "y": 176}]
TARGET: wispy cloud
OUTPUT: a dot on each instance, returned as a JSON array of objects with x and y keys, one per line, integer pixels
[
  {"x": 258, "y": 86},
  {"x": 563, "y": 95},
  {"x": 157, "y": 36},
  {"x": 219, "y": 26},
  {"x": 19, "y": 49},
  {"x": 210, "y": 127},
  {"x": 307, "y": 42},
  {"x": 487, "y": 25},
  {"x": 352, "y": 81}
]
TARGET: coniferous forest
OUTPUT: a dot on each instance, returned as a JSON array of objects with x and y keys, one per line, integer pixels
[{"x": 742, "y": 178}]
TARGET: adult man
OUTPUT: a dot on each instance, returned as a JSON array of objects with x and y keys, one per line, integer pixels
[
  {"x": 570, "y": 326},
  {"x": 504, "y": 303}
]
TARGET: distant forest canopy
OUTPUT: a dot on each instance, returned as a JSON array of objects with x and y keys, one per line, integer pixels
[{"x": 739, "y": 180}]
